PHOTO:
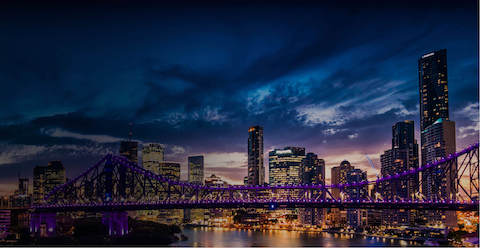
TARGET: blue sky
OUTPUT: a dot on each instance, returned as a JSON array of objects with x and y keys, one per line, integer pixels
[{"x": 331, "y": 77}]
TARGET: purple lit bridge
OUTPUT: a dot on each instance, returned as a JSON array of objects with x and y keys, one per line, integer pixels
[{"x": 115, "y": 185}]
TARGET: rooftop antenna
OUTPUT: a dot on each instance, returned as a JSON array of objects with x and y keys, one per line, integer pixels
[{"x": 130, "y": 131}]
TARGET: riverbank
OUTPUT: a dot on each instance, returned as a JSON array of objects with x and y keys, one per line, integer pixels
[{"x": 236, "y": 237}]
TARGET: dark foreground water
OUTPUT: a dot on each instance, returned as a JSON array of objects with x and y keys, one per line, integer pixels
[{"x": 224, "y": 237}]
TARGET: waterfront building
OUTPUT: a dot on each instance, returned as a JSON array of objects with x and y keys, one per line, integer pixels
[
  {"x": 195, "y": 176},
  {"x": 339, "y": 176},
  {"x": 285, "y": 166},
  {"x": 152, "y": 156},
  {"x": 46, "y": 178},
  {"x": 195, "y": 169},
  {"x": 256, "y": 170},
  {"x": 433, "y": 87},
  {"x": 356, "y": 217},
  {"x": 401, "y": 157},
  {"x": 171, "y": 171},
  {"x": 438, "y": 141},
  {"x": 437, "y": 131},
  {"x": 21, "y": 197},
  {"x": 218, "y": 216},
  {"x": 313, "y": 172},
  {"x": 128, "y": 149}
]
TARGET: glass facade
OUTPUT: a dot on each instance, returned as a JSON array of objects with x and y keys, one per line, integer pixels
[{"x": 256, "y": 170}]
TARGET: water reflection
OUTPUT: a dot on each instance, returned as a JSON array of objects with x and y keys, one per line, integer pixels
[{"x": 227, "y": 237}]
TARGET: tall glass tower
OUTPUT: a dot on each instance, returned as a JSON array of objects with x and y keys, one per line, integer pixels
[{"x": 256, "y": 170}]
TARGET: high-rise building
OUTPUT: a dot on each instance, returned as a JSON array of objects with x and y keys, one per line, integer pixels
[
  {"x": 401, "y": 157},
  {"x": 313, "y": 172},
  {"x": 433, "y": 87},
  {"x": 437, "y": 133},
  {"x": 195, "y": 169},
  {"x": 195, "y": 176},
  {"x": 171, "y": 171},
  {"x": 152, "y": 156},
  {"x": 128, "y": 149},
  {"x": 339, "y": 176},
  {"x": 438, "y": 141},
  {"x": 356, "y": 217},
  {"x": 46, "y": 178},
  {"x": 285, "y": 166},
  {"x": 256, "y": 170},
  {"x": 21, "y": 196}
]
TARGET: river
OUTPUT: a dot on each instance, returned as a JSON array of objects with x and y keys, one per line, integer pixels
[{"x": 225, "y": 237}]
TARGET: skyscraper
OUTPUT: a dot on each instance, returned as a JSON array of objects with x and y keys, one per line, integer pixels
[
  {"x": 195, "y": 176},
  {"x": 170, "y": 170},
  {"x": 433, "y": 87},
  {"x": 401, "y": 157},
  {"x": 438, "y": 141},
  {"x": 437, "y": 132},
  {"x": 313, "y": 172},
  {"x": 256, "y": 170},
  {"x": 128, "y": 149},
  {"x": 356, "y": 217},
  {"x": 46, "y": 178},
  {"x": 152, "y": 156},
  {"x": 339, "y": 176},
  {"x": 195, "y": 169}
]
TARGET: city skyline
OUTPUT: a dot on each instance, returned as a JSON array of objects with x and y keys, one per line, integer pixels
[{"x": 301, "y": 94}]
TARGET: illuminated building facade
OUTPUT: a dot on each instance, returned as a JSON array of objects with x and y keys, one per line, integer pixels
[
  {"x": 285, "y": 166},
  {"x": 356, "y": 217},
  {"x": 256, "y": 170},
  {"x": 195, "y": 169},
  {"x": 195, "y": 176},
  {"x": 170, "y": 170},
  {"x": 433, "y": 86},
  {"x": 313, "y": 172},
  {"x": 401, "y": 157},
  {"x": 339, "y": 176},
  {"x": 436, "y": 130},
  {"x": 152, "y": 156},
  {"x": 45, "y": 178}
]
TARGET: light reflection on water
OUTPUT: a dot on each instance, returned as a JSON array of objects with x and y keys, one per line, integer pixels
[{"x": 227, "y": 237}]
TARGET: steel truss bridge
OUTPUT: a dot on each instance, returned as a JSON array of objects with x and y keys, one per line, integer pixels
[{"x": 114, "y": 185}]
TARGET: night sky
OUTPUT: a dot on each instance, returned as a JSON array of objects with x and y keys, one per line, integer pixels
[{"x": 331, "y": 77}]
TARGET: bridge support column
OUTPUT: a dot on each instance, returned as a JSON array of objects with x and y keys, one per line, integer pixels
[
  {"x": 43, "y": 224},
  {"x": 116, "y": 222}
]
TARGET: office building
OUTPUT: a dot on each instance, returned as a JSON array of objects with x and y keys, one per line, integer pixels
[
  {"x": 195, "y": 176},
  {"x": 256, "y": 170},
  {"x": 171, "y": 171},
  {"x": 195, "y": 169},
  {"x": 152, "y": 156},
  {"x": 46, "y": 178},
  {"x": 285, "y": 166}
]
